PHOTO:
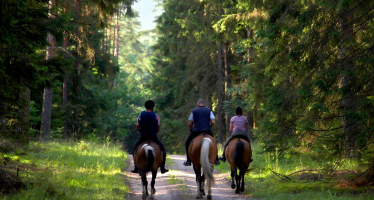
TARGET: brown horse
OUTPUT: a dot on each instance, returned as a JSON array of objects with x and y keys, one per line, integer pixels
[
  {"x": 203, "y": 153},
  {"x": 238, "y": 154},
  {"x": 148, "y": 158}
]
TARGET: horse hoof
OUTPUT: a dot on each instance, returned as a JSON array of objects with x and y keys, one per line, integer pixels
[
  {"x": 199, "y": 197},
  {"x": 144, "y": 196},
  {"x": 241, "y": 189},
  {"x": 209, "y": 197},
  {"x": 232, "y": 186},
  {"x": 202, "y": 192},
  {"x": 237, "y": 192},
  {"x": 153, "y": 191}
]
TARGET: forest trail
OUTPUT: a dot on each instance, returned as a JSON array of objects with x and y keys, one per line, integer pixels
[{"x": 179, "y": 183}]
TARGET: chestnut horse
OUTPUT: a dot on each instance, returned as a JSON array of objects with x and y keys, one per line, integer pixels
[
  {"x": 239, "y": 155},
  {"x": 148, "y": 158},
  {"x": 203, "y": 153}
]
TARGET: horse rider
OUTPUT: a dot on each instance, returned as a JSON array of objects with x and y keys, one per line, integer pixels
[
  {"x": 148, "y": 124},
  {"x": 238, "y": 129},
  {"x": 200, "y": 121}
]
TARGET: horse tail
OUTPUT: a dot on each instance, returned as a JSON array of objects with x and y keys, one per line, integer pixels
[
  {"x": 204, "y": 159},
  {"x": 150, "y": 156},
  {"x": 238, "y": 153}
]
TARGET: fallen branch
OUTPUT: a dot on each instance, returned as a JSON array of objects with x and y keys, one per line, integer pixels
[
  {"x": 282, "y": 176},
  {"x": 364, "y": 172},
  {"x": 305, "y": 170}
]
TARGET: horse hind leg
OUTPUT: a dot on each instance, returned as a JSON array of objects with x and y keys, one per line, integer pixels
[
  {"x": 209, "y": 186},
  {"x": 153, "y": 190},
  {"x": 145, "y": 184},
  {"x": 202, "y": 185},
  {"x": 233, "y": 173},
  {"x": 198, "y": 182},
  {"x": 237, "y": 177},
  {"x": 242, "y": 173}
]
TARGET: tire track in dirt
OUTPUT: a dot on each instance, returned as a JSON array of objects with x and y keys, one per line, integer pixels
[{"x": 179, "y": 183}]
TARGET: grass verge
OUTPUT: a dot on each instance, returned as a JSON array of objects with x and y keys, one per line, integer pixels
[
  {"x": 70, "y": 170},
  {"x": 262, "y": 183}
]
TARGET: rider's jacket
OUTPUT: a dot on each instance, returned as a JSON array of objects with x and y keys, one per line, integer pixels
[
  {"x": 148, "y": 122},
  {"x": 201, "y": 118}
]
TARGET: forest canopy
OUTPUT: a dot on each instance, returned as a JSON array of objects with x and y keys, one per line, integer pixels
[{"x": 302, "y": 71}]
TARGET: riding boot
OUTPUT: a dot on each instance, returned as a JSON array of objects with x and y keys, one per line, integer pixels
[
  {"x": 188, "y": 161},
  {"x": 217, "y": 161},
  {"x": 162, "y": 167},
  {"x": 223, "y": 158},
  {"x": 135, "y": 169}
]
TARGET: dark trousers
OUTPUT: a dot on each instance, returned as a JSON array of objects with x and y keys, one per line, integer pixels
[
  {"x": 154, "y": 139},
  {"x": 192, "y": 136}
]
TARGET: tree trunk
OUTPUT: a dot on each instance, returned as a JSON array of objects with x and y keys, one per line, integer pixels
[
  {"x": 23, "y": 118},
  {"x": 220, "y": 85},
  {"x": 110, "y": 34},
  {"x": 104, "y": 43},
  {"x": 117, "y": 43},
  {"x": 347, "y": 81},
  {"x": 65, "y": 90},
  {"x": 250, "y": 117},
  {"x": 227, "y": 83},
  {"x": 65, "y": 96},
  {"x": 45, "y": 127},
  {"x": 114, "y": 40},
  {"x": 76, "y": 64},
  {"x": 3, "y": 112}
]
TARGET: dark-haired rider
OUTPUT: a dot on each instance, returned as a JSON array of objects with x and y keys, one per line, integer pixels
[
  {"x": 148, "y": 125},
  {"x": 201, "y": 120},
  {"x": 238, "y": 129}
]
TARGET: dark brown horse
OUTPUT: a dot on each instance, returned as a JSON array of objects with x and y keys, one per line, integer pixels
[
  {"x": 239, "y": 155},
  {"x": 148, "y": 158},
  {"x": 203, "y": 153}
]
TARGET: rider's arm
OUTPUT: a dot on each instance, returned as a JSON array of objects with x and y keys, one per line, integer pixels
[
  {"x": 231, "y": 127},
  {"x": 158, "y": 122},
  {"x": 138, "y": 127},
  {"x": 212, "y": 122},
  {"x": 190, "y": 124},
  {"x": 137, "y": 124}
]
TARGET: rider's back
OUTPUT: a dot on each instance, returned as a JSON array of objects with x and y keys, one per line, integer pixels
[
  {"x": 201, "y": 116},
  {"x": 148, "y": 124}
]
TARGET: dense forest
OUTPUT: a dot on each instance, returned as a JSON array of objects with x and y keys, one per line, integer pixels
[{"x": 302, "y": 71}]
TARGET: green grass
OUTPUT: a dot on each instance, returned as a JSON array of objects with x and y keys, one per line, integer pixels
[
  {"x": 264, "y": 184},
  {"x": 70, "y": 170}
]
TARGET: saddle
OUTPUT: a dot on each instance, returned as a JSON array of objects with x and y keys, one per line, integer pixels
[
  {"x": 203, "y": 132},
  {"x": 146, "y": 143}
]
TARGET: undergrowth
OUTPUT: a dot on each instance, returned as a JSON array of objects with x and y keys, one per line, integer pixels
[
  {"x": 69, "y": 170},
  {"x": 299, "y": 176}
]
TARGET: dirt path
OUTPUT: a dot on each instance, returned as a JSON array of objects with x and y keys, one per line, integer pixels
[{"x": 179, "y": 183}]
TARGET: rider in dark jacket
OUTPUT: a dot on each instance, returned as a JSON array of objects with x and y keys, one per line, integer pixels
[
  {"x": 200, "y": 121},
  {"x": 148, "y": 124}
]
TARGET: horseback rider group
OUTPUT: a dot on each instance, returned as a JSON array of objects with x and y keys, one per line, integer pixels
[{"x": 200, "y": 121}]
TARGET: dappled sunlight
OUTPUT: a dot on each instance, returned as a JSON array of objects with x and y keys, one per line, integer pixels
[{"x": 67, "y": 172}]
